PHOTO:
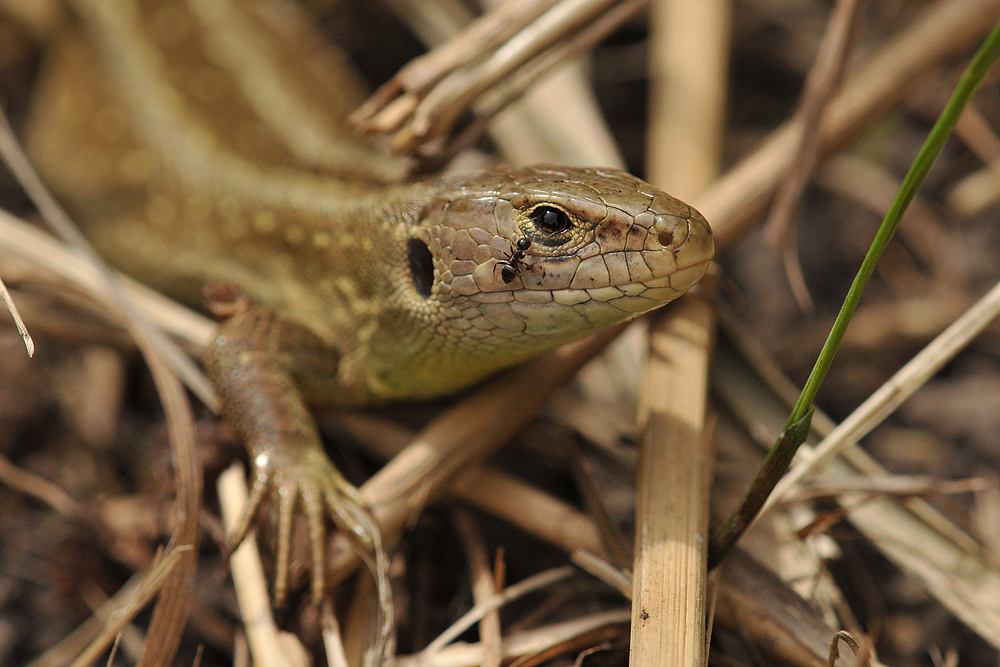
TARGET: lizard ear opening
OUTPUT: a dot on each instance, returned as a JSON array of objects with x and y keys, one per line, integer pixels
[{"x": 421, "y": 266}]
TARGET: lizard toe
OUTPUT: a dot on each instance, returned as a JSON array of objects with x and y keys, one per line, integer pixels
[
  {"x": 312, "y": 502},
  {"x": 287, "y": 496},
  {"x": 259, "y": 491}
]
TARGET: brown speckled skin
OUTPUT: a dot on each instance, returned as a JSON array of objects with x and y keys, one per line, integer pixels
[{"x": 203, "y": 143}]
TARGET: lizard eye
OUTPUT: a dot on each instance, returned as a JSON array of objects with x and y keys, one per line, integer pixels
[
  {"x": 421, "y": 266},
  {"x": 550, "y": 220}
]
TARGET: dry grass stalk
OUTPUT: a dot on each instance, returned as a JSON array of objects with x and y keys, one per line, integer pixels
[
  {"x": 897, "y": 389},
  {"x": 569, "y": 529},
  {"x": 29, "y": 344},
  {"x": 170, "y": 614},
  {"x": 38, "y": 487},
  {"x": 603, "y": 570},
  {"x": 385, "y": 110},
  {"x": 687, "y": 78},
  {"x": 413, "y": 112},
  {"x": 267, "y": 646},
  {"x": 18, "y": 238},
  {"x": 925, "y": 234},
  {"x": 688, "y": 75},
  {"x": 975, "y": 132},
  {"x": 755, "y": 602},
  {"x": 976, "y": 192},
  {"x": 527, "y": 132},
  {"x": 536, "y": 512},
  {"x": 121, "y": 609},
  {"x": 333, "y": 642},
  {"x": 892, "y": 485},
  {"x": 574, "y": 46},
  {"x": 958, "y": 32},
  {"x": 821, "y": 83},
  {"x": 946, "y": 29},
  {"x": 152, "y": 342},
  {"x": 524, "y": 643},
  {"x": 917, "y": 538},
  {"x": 129, "y": 640},
  {"x": 493, "y": 602},
  {"x": 668, "y": 599},
  {"x": 616, "y": 543},
  {"x": 862, "y": 650},
  {"x": 171, "y": 610},
  {"x": 355, "y": 631},
  {"x": 484, "y": 584},
  {"x": 557, "y": 120},
  {"x": 461, "y": 437},
  {"x": 74, "y": 643}
]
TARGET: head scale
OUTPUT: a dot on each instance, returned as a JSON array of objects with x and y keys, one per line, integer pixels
[{"x": 507, "y": 263}]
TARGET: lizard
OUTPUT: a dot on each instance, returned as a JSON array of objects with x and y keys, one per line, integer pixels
[{"x": 202, "y": 143}]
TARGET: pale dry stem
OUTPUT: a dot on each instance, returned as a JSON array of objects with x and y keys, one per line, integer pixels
[
  {"x": 893, "y": 392},
  {"x": 29, "y": 344},
  {"x": 530, "y": 584},
  {"x": 39, "y": 488},
  {"x": 162, "y": 357},
  {"x": 945, "y": 29},
  {"x": 332, "y": 639},
  {"x": 821, "y": 83},
  {"x": 549, "y": 520},
  {"x": 925, "y": 234},
  {"x": 484, "y": 584},
  {"x": 672, "y": 492},
  {"x": 917, "y": 538},
  {"x": 504, "y": 46},
  {"x": 21, "y": 239},
  {"x": 688, "y": 76},
  {"x": 462, "y": 436},
  {"x": 524, "y": 643},
  {"x": 267, "y": 645},
  {"x": 536, "y": 512}
]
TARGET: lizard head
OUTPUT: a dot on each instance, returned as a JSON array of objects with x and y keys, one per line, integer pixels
[{"x": 507, "y": 263}]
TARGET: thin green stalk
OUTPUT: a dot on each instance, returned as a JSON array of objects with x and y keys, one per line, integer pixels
[{"x": 796, "y": 428}]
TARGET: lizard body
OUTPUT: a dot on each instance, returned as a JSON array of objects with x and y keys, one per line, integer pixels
[{"x": 202, "y": 142}]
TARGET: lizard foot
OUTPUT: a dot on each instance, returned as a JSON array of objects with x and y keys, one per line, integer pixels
[{"x": 310, "y": 479}]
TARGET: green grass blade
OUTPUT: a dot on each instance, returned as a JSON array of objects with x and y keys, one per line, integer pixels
[{"x": 796, "y": 429}]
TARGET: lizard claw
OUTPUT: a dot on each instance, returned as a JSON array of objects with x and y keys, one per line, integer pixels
[{"x": 316, "y": 485}]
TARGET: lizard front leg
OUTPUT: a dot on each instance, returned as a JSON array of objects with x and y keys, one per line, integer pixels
[{"x": 253, "y": 362}]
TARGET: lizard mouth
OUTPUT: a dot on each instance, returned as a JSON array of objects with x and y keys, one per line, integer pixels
[
  {"x": 637, "y": 282},
  {"x": 627, "y": 298}
]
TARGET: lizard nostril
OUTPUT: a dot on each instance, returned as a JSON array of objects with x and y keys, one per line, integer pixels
[
  {"x": 665, "y": 238},
  {"x": 421, "y": 266}
]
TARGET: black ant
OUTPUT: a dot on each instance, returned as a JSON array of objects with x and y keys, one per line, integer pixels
[{"x": 510, "y": 268}]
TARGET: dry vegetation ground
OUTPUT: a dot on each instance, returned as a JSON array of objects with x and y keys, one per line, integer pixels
[{"x": 84, "y": 414}]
